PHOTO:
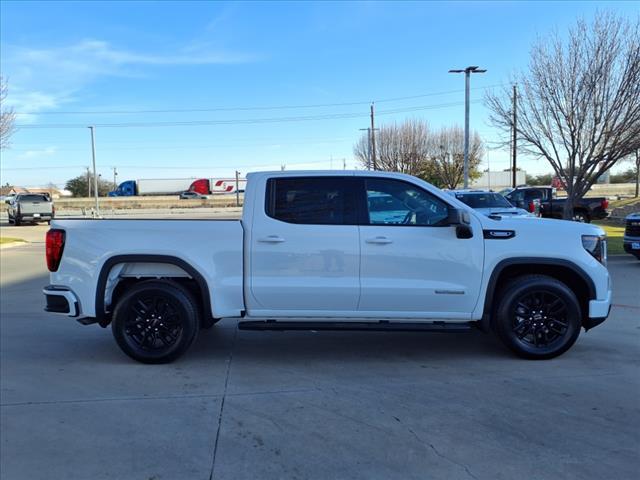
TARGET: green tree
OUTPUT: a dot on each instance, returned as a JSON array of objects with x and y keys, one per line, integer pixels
[
  {"x": 540, "y": 180},
  {"x": 79, "y": 188}
]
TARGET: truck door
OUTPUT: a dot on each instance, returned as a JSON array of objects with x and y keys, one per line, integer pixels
[
  {"x": 305, "y": 250},
  {"x": 413, "y": 265}
]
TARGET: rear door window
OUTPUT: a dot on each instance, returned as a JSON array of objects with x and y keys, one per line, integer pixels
[{"x": 312, "y": 200}]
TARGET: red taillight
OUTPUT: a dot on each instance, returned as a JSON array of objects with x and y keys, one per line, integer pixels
[
  {"x": 532, "y": 207},
  {"x": 54, "y": 247},
  {"x": 605, "y": 204}
]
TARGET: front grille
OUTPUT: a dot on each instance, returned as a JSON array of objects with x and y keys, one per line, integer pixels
[{"x": 633, "y": 228}]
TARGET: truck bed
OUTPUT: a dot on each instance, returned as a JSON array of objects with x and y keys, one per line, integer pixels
[{"x": 214, "y": 247}]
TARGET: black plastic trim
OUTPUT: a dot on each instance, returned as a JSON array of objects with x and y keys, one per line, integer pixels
[
  {"x": 57, "y": 304},
  {"x": 494, "y": 234},
  {"x": 383, "y": 326},
  {"x": 102, "y": 316},
  {"x": 495, "y": 274}
]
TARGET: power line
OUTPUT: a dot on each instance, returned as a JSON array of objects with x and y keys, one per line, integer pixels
[
  {"x": 244, "y": 109},
  {"x": 191, "y": 123}
]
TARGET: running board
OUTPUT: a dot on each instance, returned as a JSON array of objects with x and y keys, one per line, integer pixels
[{"x": 381, "y": 326}]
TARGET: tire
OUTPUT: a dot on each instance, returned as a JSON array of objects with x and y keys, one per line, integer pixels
[
  {"x": 10, "y": 219},
  {"x": 142, "y": 308},
  {"x": 581, "y": 216},
  {"x": 16, "y": 221},
  {"x": 537, "y": 317}
]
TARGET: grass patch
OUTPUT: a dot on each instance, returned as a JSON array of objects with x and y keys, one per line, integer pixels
[
  {"x": 624, "y": 202},
  {"x": 4, "y": 240},
  {"x": 614, "y": 237}
]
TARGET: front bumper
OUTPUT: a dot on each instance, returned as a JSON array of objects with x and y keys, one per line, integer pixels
[
  {"x": 598, "y": 311},
  {"x": 61, "y": 300}
]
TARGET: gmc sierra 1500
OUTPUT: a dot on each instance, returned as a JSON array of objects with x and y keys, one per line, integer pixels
[{"x": 332, "y": 250}]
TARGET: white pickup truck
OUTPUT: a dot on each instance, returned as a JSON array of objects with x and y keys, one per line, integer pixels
[{"x": 332, "y": 250}]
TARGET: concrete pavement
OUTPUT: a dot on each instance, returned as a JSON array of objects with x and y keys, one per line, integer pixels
[{"x": 273, "y": 405}]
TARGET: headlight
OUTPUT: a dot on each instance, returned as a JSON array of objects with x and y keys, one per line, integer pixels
[{"x": 596, "y": 245}]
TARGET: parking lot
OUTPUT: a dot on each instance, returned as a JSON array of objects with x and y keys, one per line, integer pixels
[{"x": 272, "y": 405}]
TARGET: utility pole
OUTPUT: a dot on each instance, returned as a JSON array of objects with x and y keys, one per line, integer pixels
[
  {"x": 344, "y": 163},
  {"x": 95, "y": 174},
  {"x": 467, "y": 80},
  {"x": 373, "y": 139},
  {"x": 237, "y": 188},
  {"x": 115, "y": 176},
  {"x": 515, "y": 134},
  {"x": 88, "y": 183}
]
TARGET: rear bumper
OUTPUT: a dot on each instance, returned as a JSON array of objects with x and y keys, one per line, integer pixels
[
  {"x": 61, "y": 300},
  {"x": 28, "y": 217}
]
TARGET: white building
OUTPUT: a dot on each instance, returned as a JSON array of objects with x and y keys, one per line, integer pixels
[{"x": 498, "y": 180}]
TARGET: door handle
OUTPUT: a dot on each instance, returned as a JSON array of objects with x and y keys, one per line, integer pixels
[
  {"x": 379, "y": 240},
  {"x": 271, "y": 239}
]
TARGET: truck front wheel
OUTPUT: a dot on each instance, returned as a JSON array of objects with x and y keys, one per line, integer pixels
[
  {"x": 537, "y": 317},
  {"x": 155, "y": 321}
]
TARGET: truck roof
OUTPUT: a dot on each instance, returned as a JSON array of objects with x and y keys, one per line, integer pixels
[{"x": 334, "y": 173}]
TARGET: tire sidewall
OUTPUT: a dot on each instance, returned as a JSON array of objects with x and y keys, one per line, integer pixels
[
  {"x": 503, "y": 317},
  {"x": 179, "y": 298}
]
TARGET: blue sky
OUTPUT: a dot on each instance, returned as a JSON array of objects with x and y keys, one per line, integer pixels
[{"x": 230, "y": 63}]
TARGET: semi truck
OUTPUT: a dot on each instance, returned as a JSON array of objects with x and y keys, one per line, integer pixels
[
  {"x": 333, "y": 250},
  {"x": 206, "y": 186},
  {"x": 157, "y": 186}
]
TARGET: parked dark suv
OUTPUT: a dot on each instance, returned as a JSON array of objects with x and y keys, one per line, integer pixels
[{"x": 632, "y": 234}]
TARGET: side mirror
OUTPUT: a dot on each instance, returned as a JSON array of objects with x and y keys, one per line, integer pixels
[
  {"x": 462, "y": 220},
  {"x": 458, "y": 217}
]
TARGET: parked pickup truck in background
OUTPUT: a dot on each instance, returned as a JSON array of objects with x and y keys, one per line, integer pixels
[
  {"x": 30, "y": 207},
  {"x": 631, "y": 239},
  {"x": 585, "y": 210},
  {"x": 332, "y": 250}
]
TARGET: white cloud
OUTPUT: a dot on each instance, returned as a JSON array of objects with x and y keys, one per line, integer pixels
[
  {"x": 43, "y": 78},
  {"x": 39, "y": 153}
]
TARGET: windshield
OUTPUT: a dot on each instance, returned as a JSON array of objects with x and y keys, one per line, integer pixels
[{"x": 484, "y": 200}]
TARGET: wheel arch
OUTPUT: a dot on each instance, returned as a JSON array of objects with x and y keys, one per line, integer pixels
[
  {"x": 565, "y": 271},
  {"x": 103, "y": 317}
]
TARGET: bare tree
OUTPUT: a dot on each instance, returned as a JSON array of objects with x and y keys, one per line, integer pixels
[
  {"x": 447, "y": 153},
  {"x": 7, "y": 116},
  {"x": 579, "y": 106},
  {"x": 399, "y": 147},
  {"x": 413, "y": 148}
]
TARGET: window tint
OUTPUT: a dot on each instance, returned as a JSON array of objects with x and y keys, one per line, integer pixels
[
  {"x": 533, "y": 195},
  {"x": 312, "y": 200},
  {"x": 33, "y": 198},
  {"x": 484, "y": 200},
  {"x": 393, "y": 202}
]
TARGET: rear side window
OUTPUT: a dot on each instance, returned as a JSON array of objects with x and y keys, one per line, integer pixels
[{"x": 312, "y": 200}]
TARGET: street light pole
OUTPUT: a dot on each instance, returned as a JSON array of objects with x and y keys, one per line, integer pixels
[
  {"x": 95, "y": 174},
  {"x": 467, "y": 80}
]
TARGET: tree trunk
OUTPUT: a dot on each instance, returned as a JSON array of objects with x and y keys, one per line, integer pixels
[{"x": 567, "y": 211}]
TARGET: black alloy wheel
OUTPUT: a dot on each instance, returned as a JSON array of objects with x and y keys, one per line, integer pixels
[
  {"x": 538, "y": 317},
  {"x": 155, "y": 321}
]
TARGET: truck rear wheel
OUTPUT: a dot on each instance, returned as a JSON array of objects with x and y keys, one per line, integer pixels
[
  {"x": 581, "y": 216},
  {"x": 155, "y": 321},
  {"x": 538, "y": 317}
]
